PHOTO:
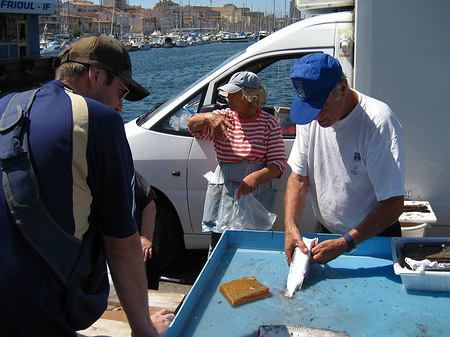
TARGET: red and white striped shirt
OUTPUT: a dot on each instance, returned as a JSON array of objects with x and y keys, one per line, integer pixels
[{"x": 256, "y": 139}]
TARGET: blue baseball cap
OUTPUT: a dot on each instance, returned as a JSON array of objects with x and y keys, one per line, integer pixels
[
  {"x": 241, "y": 80},
  {"x": 314, "y": 76}
]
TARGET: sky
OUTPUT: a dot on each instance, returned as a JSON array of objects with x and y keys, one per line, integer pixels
[{"x": 265, "y": 6}]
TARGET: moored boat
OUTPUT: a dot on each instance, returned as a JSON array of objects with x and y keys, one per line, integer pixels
[
  {"x": 181, "y": 43},
  {"x": 262, "y": 34},
  {"x": 144, "y": 45},
  {"x": 168, "y": 43},
  {"x": 234, "y": 37},
  {"x": 51, "y": 48}
]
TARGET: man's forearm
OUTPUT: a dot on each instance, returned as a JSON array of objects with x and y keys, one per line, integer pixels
[
  {"x": 128, "y": 273},
  {"x": 294, "y": 203},
  {"x": 294, "y": 200},
  {"x": 382, "y": 216},
  {"x": 148, "y": 220}
]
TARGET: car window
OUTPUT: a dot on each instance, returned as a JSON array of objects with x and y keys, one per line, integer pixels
[
  {"x": 176, "y": 123},
  {"x": 278, "y": 84},
  {"x": 280, "y": 93}
]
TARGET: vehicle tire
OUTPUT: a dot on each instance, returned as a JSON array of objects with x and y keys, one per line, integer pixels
[{"x": 168, "y": 236}]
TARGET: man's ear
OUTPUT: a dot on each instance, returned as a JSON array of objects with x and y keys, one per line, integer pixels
[
  {"x": 344, "y": 87},
  {"x": 94, "y": 74}
]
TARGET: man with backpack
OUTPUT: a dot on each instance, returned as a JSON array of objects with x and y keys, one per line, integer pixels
[{"x": 79, "y": 166}]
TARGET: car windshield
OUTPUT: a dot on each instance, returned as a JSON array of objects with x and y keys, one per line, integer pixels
[{"x": 160, "y": 106}]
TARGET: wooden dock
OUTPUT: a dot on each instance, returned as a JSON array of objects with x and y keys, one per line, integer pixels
[{"x": 113, "y": 322}]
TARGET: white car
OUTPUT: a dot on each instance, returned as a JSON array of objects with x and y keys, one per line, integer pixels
[{"x": 175, "y": 162}]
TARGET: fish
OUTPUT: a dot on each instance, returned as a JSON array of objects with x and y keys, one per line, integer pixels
[
  {"x": 297, "y": 331},
  {"x": 299, "y": 268}
]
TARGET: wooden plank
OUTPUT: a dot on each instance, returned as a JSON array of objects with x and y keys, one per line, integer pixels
[
  {"x": 107, "y": 328},
  {"x": 114, "y": 323},
  {"x": 162, "y": 299},
  {"x": 156, "y": 298}
]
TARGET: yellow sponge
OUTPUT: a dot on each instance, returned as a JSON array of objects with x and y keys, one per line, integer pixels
[{"x": 244, "y": 290}]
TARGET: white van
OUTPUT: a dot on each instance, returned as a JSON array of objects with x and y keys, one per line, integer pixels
[{"x": 393, "y": 50}]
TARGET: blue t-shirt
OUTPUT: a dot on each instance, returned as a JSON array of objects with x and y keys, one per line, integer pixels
[{"x": 85, "y": 172}]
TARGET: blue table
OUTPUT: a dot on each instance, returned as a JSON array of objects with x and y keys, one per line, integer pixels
[{"x": 358, "y": 293}]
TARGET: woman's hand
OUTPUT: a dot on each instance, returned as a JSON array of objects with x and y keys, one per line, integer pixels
[
  {"x": 251, "y": 181},
  {"x": 220, "y": 124},
  {"x": 248, "y": 184}
]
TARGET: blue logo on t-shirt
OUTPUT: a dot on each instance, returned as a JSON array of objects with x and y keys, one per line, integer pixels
[{"x": 356, "y": 159}]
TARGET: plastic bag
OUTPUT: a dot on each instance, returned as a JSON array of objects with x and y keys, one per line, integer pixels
[
  {"x": 249, "y": 213},
  {"x": 178, "y": 121}
]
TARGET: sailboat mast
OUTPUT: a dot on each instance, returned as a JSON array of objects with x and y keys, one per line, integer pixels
[
  {"x": 113, "y": 17},
  {"x": 273, "y": 15}
]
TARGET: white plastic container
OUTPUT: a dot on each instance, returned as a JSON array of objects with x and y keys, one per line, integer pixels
[
  {"x": 414, "y": 224},
  {"x": 429, "y": 280},
  {"x": 414, "y": 231}
]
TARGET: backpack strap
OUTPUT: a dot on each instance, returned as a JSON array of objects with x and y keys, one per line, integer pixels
[{"x": 21, "y": 190}]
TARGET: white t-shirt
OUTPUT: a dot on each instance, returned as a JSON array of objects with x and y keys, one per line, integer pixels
[{"x": 351, "y": 165}]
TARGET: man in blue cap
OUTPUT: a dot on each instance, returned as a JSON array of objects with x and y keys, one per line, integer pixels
[{"x": 348, "y": 152}]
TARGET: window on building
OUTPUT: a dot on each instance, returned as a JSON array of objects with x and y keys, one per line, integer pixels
[
  {"x": 22, "y": 32},
  {"x": 11, "y": 28},
  {"x": 3, "y": 29}
]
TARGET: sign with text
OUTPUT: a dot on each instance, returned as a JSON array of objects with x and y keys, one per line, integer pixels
[{"x": 28, "y": 7}]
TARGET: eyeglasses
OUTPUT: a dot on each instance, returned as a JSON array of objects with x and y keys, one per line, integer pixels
[{"x": 125, "y": 91}]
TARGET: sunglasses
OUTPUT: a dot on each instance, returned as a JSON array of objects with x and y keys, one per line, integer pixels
[{"x": 125, "y": 91}]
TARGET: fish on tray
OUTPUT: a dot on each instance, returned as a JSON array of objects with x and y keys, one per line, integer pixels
[
  {"x": 296, "y": 331},
  {"x": 299, "y": 267}
]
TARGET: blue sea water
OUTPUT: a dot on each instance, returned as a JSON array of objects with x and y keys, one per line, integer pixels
[{"x": 167, "y": 71}]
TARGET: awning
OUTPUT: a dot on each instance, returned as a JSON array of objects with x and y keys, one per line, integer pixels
[{"x": 28, "y": 7}]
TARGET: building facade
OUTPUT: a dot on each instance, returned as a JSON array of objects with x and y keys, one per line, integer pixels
[{"x": 117, "y": 18}]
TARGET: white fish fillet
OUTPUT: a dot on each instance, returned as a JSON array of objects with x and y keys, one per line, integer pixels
[
  {"x": 296, "y": 331},
  {"x": 298, "y": 268}
]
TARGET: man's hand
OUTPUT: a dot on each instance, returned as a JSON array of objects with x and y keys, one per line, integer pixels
[
  {"x": 161, "y": 320},
  {"x": 328, "y": 250},
  {"x": 146, "y": 248},
  {"x": 292, "y": 239}
]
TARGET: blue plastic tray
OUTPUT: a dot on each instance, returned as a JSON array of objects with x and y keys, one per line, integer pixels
[{"x": 358, "y": 293}]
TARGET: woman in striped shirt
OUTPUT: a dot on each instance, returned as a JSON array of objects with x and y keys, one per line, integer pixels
[{"x": 249, "y": 148}]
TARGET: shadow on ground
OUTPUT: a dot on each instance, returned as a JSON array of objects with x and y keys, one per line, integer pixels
[{"x": 181, "y": 275}]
